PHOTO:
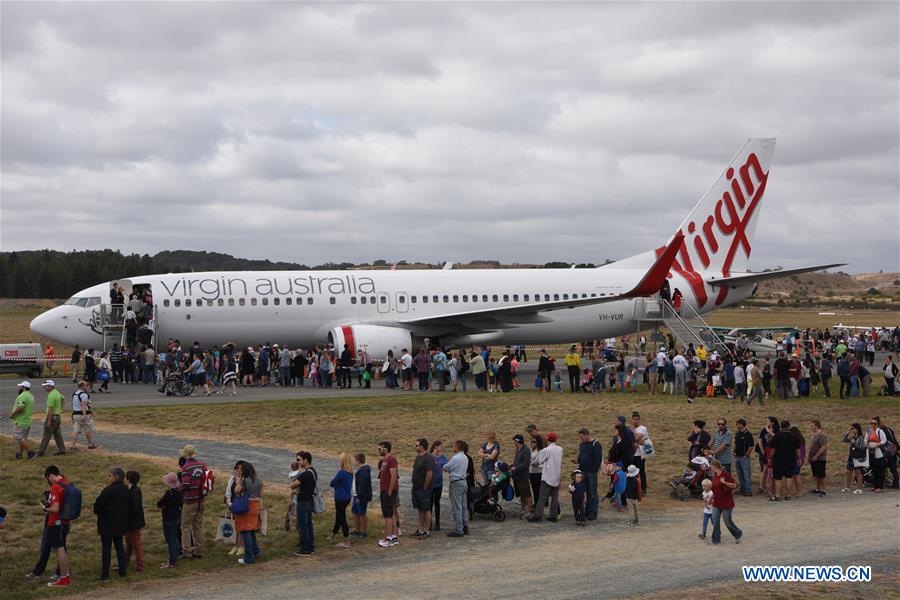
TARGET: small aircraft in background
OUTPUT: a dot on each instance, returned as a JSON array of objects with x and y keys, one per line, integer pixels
[{"x": 758, "y": 340}]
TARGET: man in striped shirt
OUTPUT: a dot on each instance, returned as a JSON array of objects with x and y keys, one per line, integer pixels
[{"x": 193, "y": 478}]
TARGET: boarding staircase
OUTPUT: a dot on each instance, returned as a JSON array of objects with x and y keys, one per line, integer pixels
[
  {"x": 688, "y": 327},
  {"x": 111, "y": 324}
]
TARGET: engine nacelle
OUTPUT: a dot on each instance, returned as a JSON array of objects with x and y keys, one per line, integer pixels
[{"x": 375, "y": 340}]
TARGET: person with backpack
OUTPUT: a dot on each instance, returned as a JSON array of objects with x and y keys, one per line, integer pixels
[
  {"x": 136, "y": 521},
  {"x": 194, "y": 480},
  {"x": 111, "y": 508},
  {"x": 56, "y": 527},
  {"x": 82, "y": 416}
]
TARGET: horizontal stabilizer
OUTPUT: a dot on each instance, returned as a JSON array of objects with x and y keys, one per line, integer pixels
[{"x": 745, "y": 278}]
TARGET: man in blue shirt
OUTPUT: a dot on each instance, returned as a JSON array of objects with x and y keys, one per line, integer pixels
[{"x": 456, "y": 469}]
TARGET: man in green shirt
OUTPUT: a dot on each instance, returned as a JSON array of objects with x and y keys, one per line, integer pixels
[
  {"x": 53, "y": 420},
  {"x": 21, "y": 416}
]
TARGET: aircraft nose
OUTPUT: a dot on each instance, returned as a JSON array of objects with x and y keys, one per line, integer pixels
[{"x": 46, "y": 325}]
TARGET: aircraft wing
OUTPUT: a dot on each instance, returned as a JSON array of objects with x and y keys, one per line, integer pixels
[
  {"x": 487, "y": 318},
  {"x": 744, "y": 278}
]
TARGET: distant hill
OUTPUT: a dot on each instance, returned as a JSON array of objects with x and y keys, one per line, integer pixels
[{"x": 200, "y": 260}]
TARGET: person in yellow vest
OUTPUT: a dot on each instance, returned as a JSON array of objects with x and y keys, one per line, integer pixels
[
  {"x": 701, "y": 354},
  {"x": 573, "y": 365}
]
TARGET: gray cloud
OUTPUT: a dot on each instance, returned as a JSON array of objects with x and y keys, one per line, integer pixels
[{"x": 522, "y": 132}]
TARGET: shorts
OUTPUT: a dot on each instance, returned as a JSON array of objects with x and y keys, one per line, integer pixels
[
  {"x": 198, "y": 379},
  {"x": 818, "y": 468},
  {"x": 408, "y": 374},
  {"x": 56, "y": 536},
  {"x": 421, "y": 499},
  {"x": 389, "y": 503},
  {"x": 20, "y": 434},
  {"x": 779, "y": 472},
  {"x": 82, "y": 423},
  {"x": 359, "y": 508},
  {"x": 523, "y": 488},
  {"x": 795, "y": 471}
]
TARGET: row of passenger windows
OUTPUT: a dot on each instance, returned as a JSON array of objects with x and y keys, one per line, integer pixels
[{"x": 474, "y": 298}]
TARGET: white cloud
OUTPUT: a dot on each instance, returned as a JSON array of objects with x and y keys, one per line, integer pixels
[{"x": 522, "y": 132}]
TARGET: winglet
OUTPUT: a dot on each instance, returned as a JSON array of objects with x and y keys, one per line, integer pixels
[{"x": 653, "y": 280}]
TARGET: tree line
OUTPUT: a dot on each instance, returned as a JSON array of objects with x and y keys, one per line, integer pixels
[{"x": 56, "y": 274}]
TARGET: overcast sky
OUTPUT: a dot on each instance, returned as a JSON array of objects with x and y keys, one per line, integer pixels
[{"x": 518, "y": 132}]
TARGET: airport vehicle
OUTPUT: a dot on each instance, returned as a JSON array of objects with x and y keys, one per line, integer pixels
[
  {"x": 22, "y": 359},
  {"x": 704, "y": 264}
]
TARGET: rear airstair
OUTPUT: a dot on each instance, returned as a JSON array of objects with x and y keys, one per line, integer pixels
[{"x": 688, "y": 327}]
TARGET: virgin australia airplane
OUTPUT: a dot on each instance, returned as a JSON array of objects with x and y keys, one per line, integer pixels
[{"x": 705, "y": 263}]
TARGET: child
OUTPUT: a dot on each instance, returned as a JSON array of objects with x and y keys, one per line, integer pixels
[
  {"x": 492, "y": 376},
  {"x": 618, "y": 486},
  {"x": 362, "y": 495},
  {"x": 578, "y": 490},
  {"x": 135, "y": 521},
  {"x": 633, "y": 376},
  {"x": 557, "y": 382},
  {"x": 587, "y": 381},
  {"x": 170, "y": 503},
  {"x": 313, "y": 374},
  {"x": 633, "y": 491},
  {"x": 707, "y": 507}
]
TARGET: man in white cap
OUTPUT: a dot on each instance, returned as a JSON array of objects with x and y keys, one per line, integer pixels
[
  {"x": 53, "y": 420},
  {"x": 21, "y": 416}
]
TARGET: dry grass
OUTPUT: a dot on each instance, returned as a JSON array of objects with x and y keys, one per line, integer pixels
[
  {"x": 328, "y": 426},
  {"x": 22, "y": 487}
]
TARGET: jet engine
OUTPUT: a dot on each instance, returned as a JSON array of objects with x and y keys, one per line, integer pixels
[{"x": 375, "y": 340}]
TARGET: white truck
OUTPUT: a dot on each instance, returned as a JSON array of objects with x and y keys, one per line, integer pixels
[{"x": 26, "y": 360}]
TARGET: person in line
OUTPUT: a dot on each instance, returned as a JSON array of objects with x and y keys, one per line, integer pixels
[
  {"x": 342, "y": 483},
  {"x": 111, "y": 508},
  {"x": 422, "y": 363},
  {"x": 422, "y": 476},
  {"x": 170, "y": 504},
  {"x": 722, "y": 443},
  {"x": 230, "y": 495},
  {"x": 858, "y": 458},
  {"x": 363, "y": 488},
  {"x": 786, "y": 457},
  {"x": 634, "y": 493},
  {"x": 534, "y": 470},
  {"x": 890, "y": 458},
  {"x": 544, "y": 371},
  {"x": 641, "y": 438},
  {"x": 801, "y": 441},
  {"x": 21, "y": 417},
  {"x": 723, "y": 504},
  {"x": 389, "y": 493},
  {"x": 589, "y": 461},
  {"x": 489, "y": 453},
  {"x": 75, "y": 362},
  {"x": 743, "y": 449},
  {"x": 875, "y": 441},
  {"x": 305, "y": 484},
  {"x": 457, "y": 469},
  {"x": 578, "y": 492},
  {"x": 479, "y": 370},
  {"x": 707, "y": 497},
  {"x": 247, "y": 523},
  {"x": 55, "y": 532},
  {"x": 82, "y": 416},
  {"x": 519, "y": 473},
  {"x": 193, "y": 476},
  {"x": 817, "y": 456},
  {"x": 437, "y": 482},
  {"x": 550, "y": 460},
  {"x": 890, "y": 375},
  {"x": 136, "y": 521},
  {"x": 53, "y": 420}
]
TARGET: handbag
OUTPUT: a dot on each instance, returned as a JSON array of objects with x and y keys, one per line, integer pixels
[
  {"x": 240, "y": 505},
  {"x": 225, "y": 531},
  {"x": 858, "y": 453},
  {"x": 538, "y": 382},
  {"x": 102, "y": 375},
  {"x": 889, "y": 449}
]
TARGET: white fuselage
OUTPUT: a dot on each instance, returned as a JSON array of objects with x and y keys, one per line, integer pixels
[{"x": 299, "y": 308}]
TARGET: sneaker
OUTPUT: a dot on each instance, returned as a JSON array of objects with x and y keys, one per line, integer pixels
[
  {"x": 31, "y": 454},
  {"x": 857, "y": 491},
  {"x": 394, "y": 541},
  {"x": 32, "y": 577},
  {"x": 844, "y": 490},
  {"x": 343, "y": 545},
  {"x": 241, "y": 562},
  {"x": 61, "y": 582},
  {"x": 553, "y": 519},
  {"x": 425, "y": 535},
  {"x": 385, "y": 543},
  {"x": 465, "y": 530},
  {"x": 303, "y": 552},
  {"x": 166, "y": 565},
  {"x": 822, "y": 493},
  {"x": 738, "y": 540},
  {"x": 455, "y": 534},
  {"x": 702, "y": 536},
  {"x": 418, "y": 533}
]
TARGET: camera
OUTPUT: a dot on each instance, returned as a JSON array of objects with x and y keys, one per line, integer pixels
[{"x": 45, "y": 501}]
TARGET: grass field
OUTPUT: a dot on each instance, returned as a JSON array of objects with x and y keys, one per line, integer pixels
[
  {"x": 22, "y": 488},
  {"x": 328, "y": 426}
]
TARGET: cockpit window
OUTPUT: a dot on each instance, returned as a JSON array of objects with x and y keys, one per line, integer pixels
[
  {"x": 93, "y": 301},
  {"x": 73, "y": 300},
  {"x": 82, "y": 302}
]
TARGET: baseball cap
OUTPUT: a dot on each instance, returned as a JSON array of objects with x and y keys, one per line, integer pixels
[
  {"x": 25, "y": 384},
  {"x": 530, "y": 427},
  {"x": 518, "y": 438},
  {"x": 49, "y": 382},
  {"x": 584, "y": 430},
  {"x": 188, "y": 451},
  {"x": 551, "y": 437}
]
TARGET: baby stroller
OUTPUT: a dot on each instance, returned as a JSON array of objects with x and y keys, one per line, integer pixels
[
  {"x": 486, "y": 499},
  {"x": 690, "y": 483}
]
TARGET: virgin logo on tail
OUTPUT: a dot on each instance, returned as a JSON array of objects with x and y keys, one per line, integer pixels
[{"x": 722, "y": 232}]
